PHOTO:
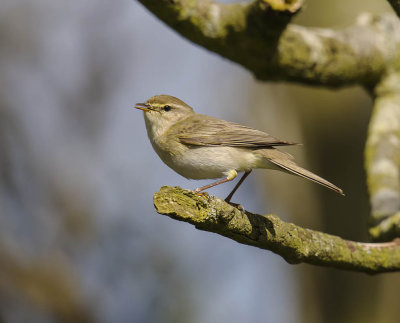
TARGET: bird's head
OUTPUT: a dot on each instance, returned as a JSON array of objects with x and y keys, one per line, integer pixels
[{"x": 162, "y": 111}]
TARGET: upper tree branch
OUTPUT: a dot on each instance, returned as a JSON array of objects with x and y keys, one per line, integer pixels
[
  {"x": 257, "y": 36},
  {"x": 293, "y": 243}
]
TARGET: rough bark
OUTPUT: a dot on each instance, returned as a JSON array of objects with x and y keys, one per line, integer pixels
[
  {"x": 293, "y": 243},
  {"x": 258, "y": 36},
  {"x": 383, "y": 160}
]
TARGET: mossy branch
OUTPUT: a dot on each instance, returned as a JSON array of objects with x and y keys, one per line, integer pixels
[
  {"x": 382, "y": 155},
  {"x": 295, "y": 244},
  {"x": 258, "y": 35}
]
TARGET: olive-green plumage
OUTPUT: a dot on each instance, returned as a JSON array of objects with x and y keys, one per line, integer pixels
[{"x": 200, "y": 147}]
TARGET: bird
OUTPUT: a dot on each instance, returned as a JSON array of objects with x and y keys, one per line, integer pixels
[{"x": 199, "y": 146}]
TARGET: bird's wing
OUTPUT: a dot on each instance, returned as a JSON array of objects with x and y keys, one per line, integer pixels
[{"x": 201, "y": 130}]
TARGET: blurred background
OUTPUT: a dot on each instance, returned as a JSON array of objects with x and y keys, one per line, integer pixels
[{"x": 79, "y": 238}]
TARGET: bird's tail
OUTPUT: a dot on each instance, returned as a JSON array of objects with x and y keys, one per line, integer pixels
[{"x": 285, "y": 162}]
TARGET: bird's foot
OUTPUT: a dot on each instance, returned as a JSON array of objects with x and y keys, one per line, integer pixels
[{"x": 201, "y": 193}]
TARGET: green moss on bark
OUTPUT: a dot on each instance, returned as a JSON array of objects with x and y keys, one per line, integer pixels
[{"x": 295, "y": 244}]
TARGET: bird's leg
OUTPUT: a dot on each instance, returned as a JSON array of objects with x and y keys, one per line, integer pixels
[
  {"x": 231, "y": 175},
  {"x": 228, "y": 198}
]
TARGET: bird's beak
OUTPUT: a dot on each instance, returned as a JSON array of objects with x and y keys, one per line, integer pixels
[{"x": 143, "y": 106}]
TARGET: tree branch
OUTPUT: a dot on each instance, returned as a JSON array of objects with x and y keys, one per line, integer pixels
[
  {"x": 293, "y": 243},
  {"x": 383, "y": 160},
  {"x": 257, "y": 36}
]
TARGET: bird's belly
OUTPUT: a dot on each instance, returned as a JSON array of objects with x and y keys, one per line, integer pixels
[{"x": 212, "y": 162}]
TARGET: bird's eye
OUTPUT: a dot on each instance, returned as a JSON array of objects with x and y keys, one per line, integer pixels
[{"x": 166, "y": 108}]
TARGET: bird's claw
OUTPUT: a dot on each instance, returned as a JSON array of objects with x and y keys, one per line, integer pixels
[{"x": 201, "y": 193}]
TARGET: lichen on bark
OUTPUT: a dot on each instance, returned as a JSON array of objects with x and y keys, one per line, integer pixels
[
  {"x": 382, "y": 156},
  {"x": 295, "y": 244}
]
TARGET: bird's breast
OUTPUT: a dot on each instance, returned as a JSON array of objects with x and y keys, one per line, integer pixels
[
  {"x": 200, "y": 162},
  {"x": 205, "y": 162}
]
